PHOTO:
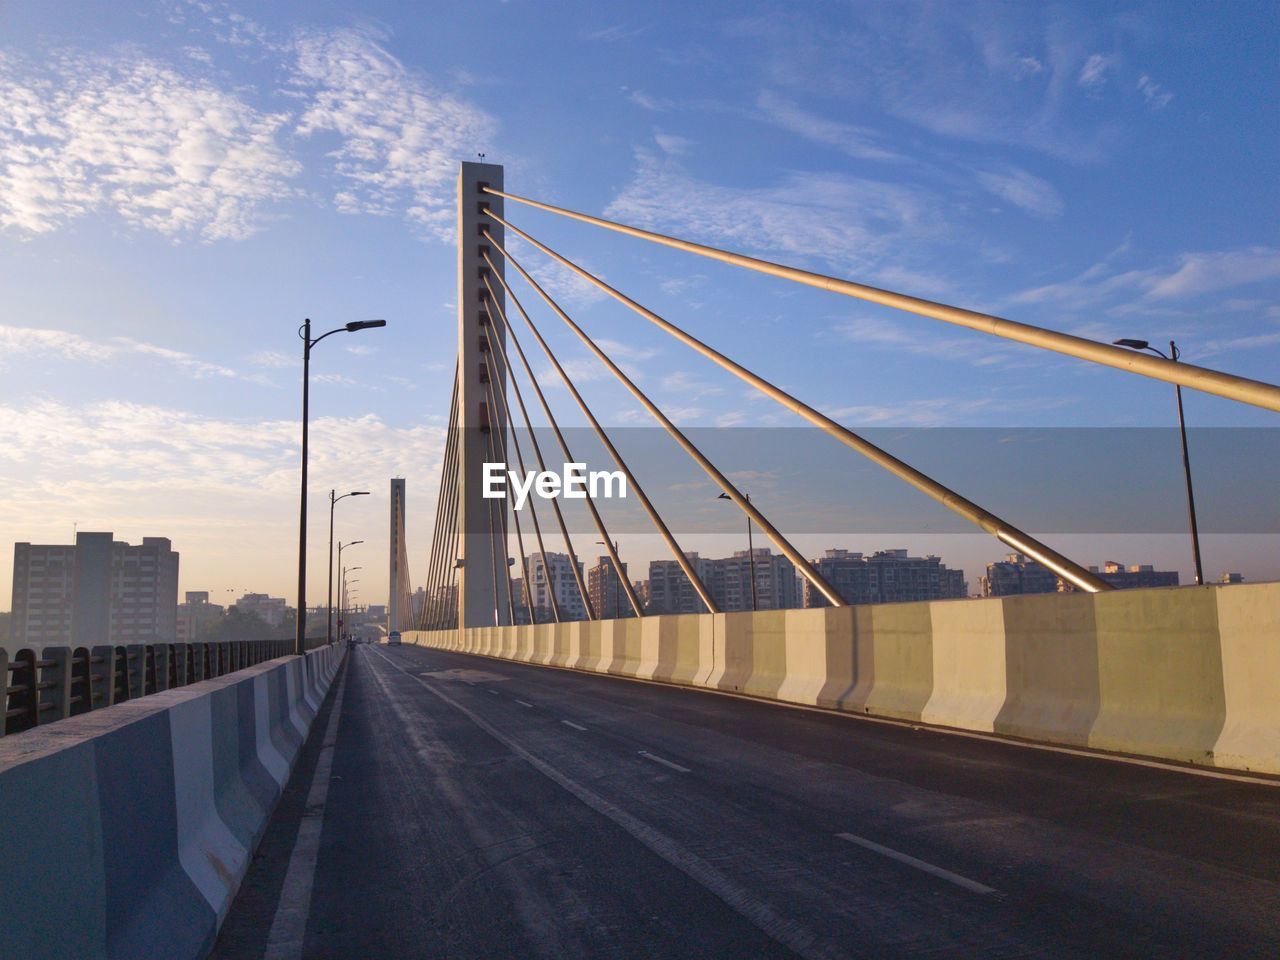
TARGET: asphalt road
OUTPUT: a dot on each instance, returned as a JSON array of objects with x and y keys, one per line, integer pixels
[{"x": 480, "y": 808}]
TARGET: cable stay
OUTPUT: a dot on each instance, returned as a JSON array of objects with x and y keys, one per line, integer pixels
[
  {"x": 703, "y": 593},
  {"x": 1242, "y": 389},
  {"x": 1006, "y": 532},
  {"x": 788, "y": 550}
]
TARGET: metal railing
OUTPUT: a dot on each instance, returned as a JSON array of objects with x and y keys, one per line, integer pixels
[{"x": 59, "y": 682}]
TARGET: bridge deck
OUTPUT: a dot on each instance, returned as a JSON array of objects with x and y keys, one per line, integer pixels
[{"x": 478, "y": 808}]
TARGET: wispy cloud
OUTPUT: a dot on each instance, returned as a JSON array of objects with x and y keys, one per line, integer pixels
[
  {"x": 1093, "y": 75},
  {"x": 1157, "y": 97},
  {"x": 1190, "y": 275},
  {"x": 672, "y": 144},
  {"x": 35, "y": 341},
  {"x": 165, "y": 151},
  {"x": 870, "y": 332},
  {"x": 685, "y": 384},
  {"x": 398, "y": 137},
  {"x": 1022, "y": 189},
  {"x": 855, "y": 141},
  {"x": 615, "y": 33},
  {"x": 846, "y": 221}
]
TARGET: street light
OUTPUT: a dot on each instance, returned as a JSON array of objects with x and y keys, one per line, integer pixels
[
  {"x": 304, "y": 332},
  {"x": 1173, "y": 355},
  {"x": 341, "y": 547},
  {"x": 328, "y": 630},
  {"x": 751, "y": 551},
  {"x": 617, "y": 581},
  {"x": 346, "y": 597}
]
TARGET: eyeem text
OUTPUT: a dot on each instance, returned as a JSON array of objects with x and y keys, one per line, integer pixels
[{"x": 575, "y": 483}]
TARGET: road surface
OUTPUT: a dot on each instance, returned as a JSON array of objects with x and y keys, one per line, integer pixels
[{"x": 457, "y": 806}]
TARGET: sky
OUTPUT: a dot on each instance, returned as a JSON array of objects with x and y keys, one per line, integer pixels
[{"x": 182, "y": 183}]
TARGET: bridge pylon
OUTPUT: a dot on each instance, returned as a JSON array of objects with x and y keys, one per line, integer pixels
[{"x": 482, "y": 549}]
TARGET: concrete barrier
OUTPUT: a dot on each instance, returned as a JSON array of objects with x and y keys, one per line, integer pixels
[
  {"x": 129, "y": 829},
  {"x": 1183, "y": 674}
]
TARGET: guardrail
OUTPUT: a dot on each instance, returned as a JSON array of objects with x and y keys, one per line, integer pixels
[{"x": 59, "y": 682}]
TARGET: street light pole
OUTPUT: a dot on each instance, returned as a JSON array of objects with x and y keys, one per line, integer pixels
[
  {"x": 1173, "y": 355},
  {"x": 304, "y": 331},
  {"x": 328, "y": 631},
  {"x": 751, "y": 551},
  {"x": 341, "y": 547}
]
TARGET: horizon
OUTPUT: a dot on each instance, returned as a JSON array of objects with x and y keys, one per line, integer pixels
[{"x": 181, "y": 184}]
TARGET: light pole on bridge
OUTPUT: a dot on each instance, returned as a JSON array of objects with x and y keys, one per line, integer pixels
[
  {"x": 341, "y": 547},
  {"x": 328, "y": 631},
  {"x": 1173, "y": 355},
  {"x": 304, "y": 332}
]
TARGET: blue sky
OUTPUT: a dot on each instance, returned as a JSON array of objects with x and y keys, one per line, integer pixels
[{"x": 181, "y": 183}]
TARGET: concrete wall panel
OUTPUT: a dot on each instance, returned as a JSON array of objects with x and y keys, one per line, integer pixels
[
  {"x": 1159, "y": 673},
  {"x": 1051, "y": 668},
  {"x": 901, "y": 650},
  {"x": 969, "y": 684},
  {"x": 1249, "y": 627},
  {"x": 807, "y": 635}
]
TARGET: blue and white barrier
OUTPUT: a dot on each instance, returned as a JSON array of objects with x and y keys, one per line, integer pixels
[{"x": 127, "y": 831}]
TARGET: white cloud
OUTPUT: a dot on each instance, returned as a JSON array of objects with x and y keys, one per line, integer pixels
[
  {"x": 34, "y": 341},
  {"x": 866, "y": 331},
  {"x": 1157, "y": 97},
  {"x": 1191, "y": 275},
  {"x": 671, "y": 144},
  {"x": 399, "y": 138},
  {"x": 682, "y": 382},
  {"x": 1023, "y": 190},
  {"x": 651, "y": 103},
  {"x": 849, "y": 222},
  {"x": 165, "y": 151},
  {"x": 564, "y": 286},
  {"x": 274, "y": 359},
  {"x": 1093, "y": 75},
  {"x": 856, "y": 141},
  {"x": 909, "y": 413}
]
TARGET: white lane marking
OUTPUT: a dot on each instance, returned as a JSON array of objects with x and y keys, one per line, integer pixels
[
  {"x": 494, "y": 692},
  {"x": 763, "y": 915},
  {"x": 666, "y": 763},
  {"x": 570, "y": 723},
  {"x": 972, "y": 885},
  {"x": 524, "y": 703},
  {"x": 289, "y": 925}
]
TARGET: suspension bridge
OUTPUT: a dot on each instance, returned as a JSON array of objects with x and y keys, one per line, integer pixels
[{"x": 1082, "y": 774}]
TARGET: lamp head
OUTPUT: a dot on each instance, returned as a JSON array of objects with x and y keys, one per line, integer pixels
[
  {"x": 355, "y": 325},
  {"x": 1131, "y": 344}
]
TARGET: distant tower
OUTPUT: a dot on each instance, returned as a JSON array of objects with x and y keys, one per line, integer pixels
[{"x": 398, "y": 602}]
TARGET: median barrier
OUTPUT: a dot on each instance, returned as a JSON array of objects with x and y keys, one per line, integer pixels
[
  {"x": 130, "y": 828},
  {"x": 1179, "y": 673}
]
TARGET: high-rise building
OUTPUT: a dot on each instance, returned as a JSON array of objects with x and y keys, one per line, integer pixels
[
  {"x": 270, "y": 609},
  {"x": 561, "y": 581},
  {"x": 99, "y": 591},
  {"x": 1015, "y": 575},
  {"x": 775, "y": 576},
  {"x": 194, "y": 614},
  {"x": 608, "y": 596},
  {"x": 1136, "y": 575},
  {"x": 670, "y": 591},
  {"x": 887, "y": 576}
]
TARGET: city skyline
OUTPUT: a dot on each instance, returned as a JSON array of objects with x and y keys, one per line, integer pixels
[{"x": 178, "y": 192}]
